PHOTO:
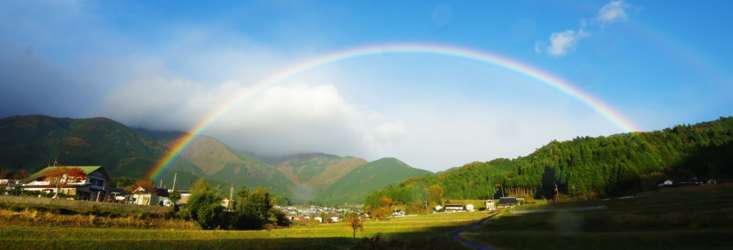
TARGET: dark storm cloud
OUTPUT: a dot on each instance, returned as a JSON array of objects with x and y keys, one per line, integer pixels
[{"x": 30, "y": 85}]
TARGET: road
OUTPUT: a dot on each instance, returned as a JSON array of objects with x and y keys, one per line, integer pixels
[{"x": 456, "y": 235}]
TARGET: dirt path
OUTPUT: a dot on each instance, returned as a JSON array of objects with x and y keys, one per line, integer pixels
[{"x": 456, "y": 235}]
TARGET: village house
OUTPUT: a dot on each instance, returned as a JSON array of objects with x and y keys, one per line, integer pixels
[
  {"x": 80, "y": 182},
  {"x": 398, "y": 213},
  {"x": 7, "y": 185},
  {"x": 490, "y": 205},
  {"x": 185, "y": 196},
  {"x": 147, "y": 196},
  {"x": 666, "y": 183},
  {"x": 454, "y": 208},
  {"x": 505, "y": 202},
  {"x": 437, "y": 208},
  {"x": 685, "y": 182}
]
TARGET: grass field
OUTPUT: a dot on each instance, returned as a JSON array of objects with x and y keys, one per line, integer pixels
[
  {"x": 680, "y": 218},
  {"x": 698, "y": 217},
  {"x": 424, "y": 232},
  {"x": 81, "y": 207}
]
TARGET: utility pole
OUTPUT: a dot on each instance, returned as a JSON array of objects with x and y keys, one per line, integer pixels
[
  {"x": 231, "y": 196},
  {"x": 174, "y": 181}
]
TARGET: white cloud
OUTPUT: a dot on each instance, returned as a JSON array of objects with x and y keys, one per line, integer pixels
[
  {"x": 279, "y": 119},
  {"x": 562, "y": 42},
  {"x": 612, "y": 12}
]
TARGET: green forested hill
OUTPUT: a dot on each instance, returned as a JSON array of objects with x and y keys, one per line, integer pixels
[
  {"x": 357, "y": 184},
  {"x": 588, "y": 167},
  {"x": 31, "y": 142}
]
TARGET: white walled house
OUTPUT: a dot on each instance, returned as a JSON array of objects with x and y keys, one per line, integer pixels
[
  {"x": 150, "y": 196},
  {"x": 490, "y": 205},
  {"x": 454, "y": 208},
  {"x": 80, "y": 182}
]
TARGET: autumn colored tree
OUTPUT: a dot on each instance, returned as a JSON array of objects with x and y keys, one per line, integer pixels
[
  {"x": 353, "y": 220},
  {"x": 386, "y": 201},
  {"x": 380, "y": 213},
  {"x": 435, "y": 194}
]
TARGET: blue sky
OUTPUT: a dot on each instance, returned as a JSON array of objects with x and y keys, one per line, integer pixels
[{"x": 164, "y": 64}]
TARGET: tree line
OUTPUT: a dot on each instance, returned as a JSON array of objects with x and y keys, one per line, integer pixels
[
  {"x": 584, "y": 168},
  {"x": 249, "y": 210}
]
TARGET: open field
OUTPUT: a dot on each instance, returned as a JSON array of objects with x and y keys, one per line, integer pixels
[
  {"x": 699, "y": 217},
  {"x": 425, "y": 231},
  {"x": 30, "y": 217},
  {"x": 81, "y": 207}
]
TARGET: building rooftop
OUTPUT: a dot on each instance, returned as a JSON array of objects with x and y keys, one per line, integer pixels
[{"x": 86, "y": 169}]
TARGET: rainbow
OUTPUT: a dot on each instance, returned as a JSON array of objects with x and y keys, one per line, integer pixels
[{"x": 394, "y": 48}]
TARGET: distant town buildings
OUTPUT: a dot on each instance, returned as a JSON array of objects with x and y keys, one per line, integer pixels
[{"x": 316, "y": 214}]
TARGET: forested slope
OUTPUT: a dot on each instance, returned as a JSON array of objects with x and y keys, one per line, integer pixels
[{"x": 588, "y": 167}]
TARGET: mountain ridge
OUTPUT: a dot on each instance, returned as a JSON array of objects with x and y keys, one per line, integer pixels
[{"x": 31, "y": 142}]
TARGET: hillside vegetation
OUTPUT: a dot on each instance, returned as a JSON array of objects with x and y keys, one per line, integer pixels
[
  {"x": 32, "y": 142},
  {"x": 315, "y": 173},
  {"x": 587, "y": 167},
  {"x": 357, "y": 184},
  {"x": 332, "y": 179}
]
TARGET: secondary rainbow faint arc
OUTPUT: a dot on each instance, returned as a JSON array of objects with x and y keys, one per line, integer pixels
[{"x": 395, "y": 48}]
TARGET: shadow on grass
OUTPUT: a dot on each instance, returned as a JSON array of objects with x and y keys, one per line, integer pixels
[
  {"x": 273, "y": 243},
  {"x": 696, "y": 217},
  {"x": 674, "y": 240}
]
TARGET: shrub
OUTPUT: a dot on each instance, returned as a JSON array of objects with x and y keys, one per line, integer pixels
[{"x": 204, "y": 205}]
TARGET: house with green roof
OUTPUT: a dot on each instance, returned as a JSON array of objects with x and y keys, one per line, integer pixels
[{"x": 80, "y": 182}]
